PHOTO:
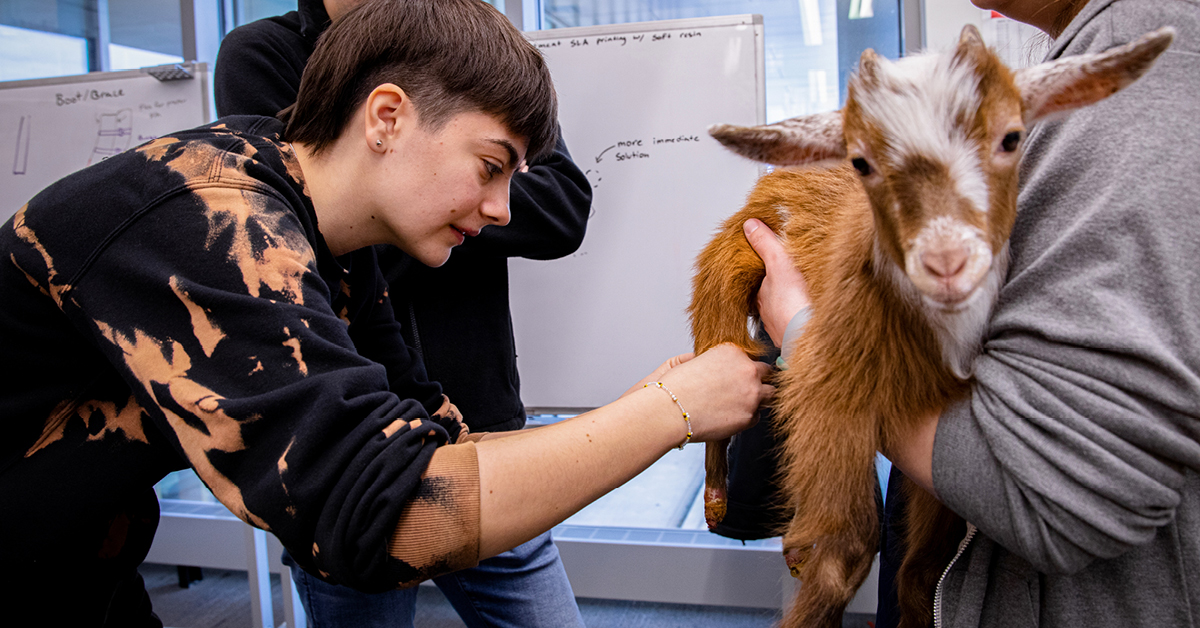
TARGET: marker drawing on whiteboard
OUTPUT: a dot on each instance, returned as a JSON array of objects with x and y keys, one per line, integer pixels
[
  {"x": 627, "y": 154},
  {"x": 593, "y": 177},
  {"x": 631, "y": 154},
  {"x": 682, "y": 139},
  {"x": 600, "y": 157},
  {"x": 113, "y": 135},
  {"x": 87, "y": 95},
  {"x": 21, "y": 159},
  {"x": 620, "y": 40}
]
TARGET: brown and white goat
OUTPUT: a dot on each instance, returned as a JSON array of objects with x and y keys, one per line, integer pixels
[{"x": 903, "y": 244}]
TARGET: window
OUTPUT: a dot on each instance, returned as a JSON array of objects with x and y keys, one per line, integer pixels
[
  {"x": 48, "y": 39},
  {"x": 143, "y": 33},
  {"x": 45, "y": 39},
  {"x": 30, "y": 53},
  {"x": 250, "y": 10}
]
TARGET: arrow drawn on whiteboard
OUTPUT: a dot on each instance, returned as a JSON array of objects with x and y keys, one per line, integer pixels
[{"x": 604, "y": 151}]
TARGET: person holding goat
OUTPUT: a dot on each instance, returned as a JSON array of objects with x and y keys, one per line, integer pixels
[{"x": 1075, "y": 458}]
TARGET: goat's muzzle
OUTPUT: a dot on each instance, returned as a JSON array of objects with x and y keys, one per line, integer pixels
[{"x": 948, "y": 265}]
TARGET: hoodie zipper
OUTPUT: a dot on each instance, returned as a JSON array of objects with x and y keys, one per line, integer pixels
[
  {"x": 412, "y": 317},
  {"x": 937, "y": 596}
]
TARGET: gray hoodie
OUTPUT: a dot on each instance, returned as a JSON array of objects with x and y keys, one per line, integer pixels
[{"x": 1078, "y": 453}]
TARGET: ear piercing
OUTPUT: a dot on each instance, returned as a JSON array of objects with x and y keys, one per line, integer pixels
[{"x": 379, "y": 142}]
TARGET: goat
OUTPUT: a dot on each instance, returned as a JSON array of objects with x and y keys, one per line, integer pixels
[{"x": 903, "y": 244}]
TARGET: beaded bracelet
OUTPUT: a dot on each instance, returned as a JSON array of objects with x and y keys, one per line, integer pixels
[{"x": 686, "y": 417}]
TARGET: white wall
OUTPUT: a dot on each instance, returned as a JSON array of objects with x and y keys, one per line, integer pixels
[
  {"x": 1018, "y": 44},
  {"x": 944, "y": 20}
]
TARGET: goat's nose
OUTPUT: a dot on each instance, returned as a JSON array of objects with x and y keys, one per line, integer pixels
[{"x": 945, "y": 263}]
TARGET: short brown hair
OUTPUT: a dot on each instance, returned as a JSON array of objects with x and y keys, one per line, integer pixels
[{"x": 449, "y": 56}]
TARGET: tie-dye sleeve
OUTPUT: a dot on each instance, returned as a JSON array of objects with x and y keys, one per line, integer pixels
[{"x": 213, "y": 309}]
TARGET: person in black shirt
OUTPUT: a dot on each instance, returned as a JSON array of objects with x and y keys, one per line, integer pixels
[
  {"x": 212, "y": 300},
  {"x": 455, "y": 317}
]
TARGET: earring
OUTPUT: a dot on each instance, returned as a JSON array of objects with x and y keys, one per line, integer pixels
[{"x": 379, "y": 142}]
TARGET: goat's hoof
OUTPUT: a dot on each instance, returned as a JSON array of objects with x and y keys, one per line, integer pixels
[
  {"x": 715, "y": 506},
  {"x": 795, "y": 560}
]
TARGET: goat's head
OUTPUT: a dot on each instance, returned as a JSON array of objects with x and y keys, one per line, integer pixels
[{"x": 936, "y": 141}]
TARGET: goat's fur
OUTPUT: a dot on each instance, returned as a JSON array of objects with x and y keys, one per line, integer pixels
[{"x": 903, "y": 265}]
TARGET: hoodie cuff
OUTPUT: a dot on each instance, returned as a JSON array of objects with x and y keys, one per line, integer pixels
[{"x": 438, "y": 531}]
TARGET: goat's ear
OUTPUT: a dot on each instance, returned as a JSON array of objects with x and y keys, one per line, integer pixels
[
  {"x": 970, "y": 44},
  {"x": 970, "y": 37},
  {"x": 868, "y": 67},
  {"x": 1058, "y": 87},
  {"x": 793, "y": 142}
]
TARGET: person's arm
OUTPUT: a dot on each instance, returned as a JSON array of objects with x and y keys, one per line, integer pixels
[
  {"x": 259, "y": 66},
  {"x": 568, "y": 465},
  {"x": 492, "y": 495},
  {"x": 549, "y": 211}
]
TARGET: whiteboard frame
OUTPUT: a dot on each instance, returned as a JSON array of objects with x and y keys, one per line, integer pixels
[
  {"x": 199, "y": 70},
  {"x": 754, "y": 21}
]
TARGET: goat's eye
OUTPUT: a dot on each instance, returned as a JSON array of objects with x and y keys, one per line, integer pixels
[
  {"x": 1010, "y": 141},
  {"x": 861, "y": 166}
]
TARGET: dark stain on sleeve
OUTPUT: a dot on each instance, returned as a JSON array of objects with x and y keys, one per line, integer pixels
[{"x": 436, "y": 490}]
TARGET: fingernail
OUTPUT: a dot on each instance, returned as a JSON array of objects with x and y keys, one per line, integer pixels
[{"x": 750, "y": 226}]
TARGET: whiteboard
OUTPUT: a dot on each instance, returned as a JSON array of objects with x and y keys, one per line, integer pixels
[
  {"x": 635, "y": 102},
  {"x": 50, "y": 128}
]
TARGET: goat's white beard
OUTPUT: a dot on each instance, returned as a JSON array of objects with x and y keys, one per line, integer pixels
[{"x": 960, "y": 330}]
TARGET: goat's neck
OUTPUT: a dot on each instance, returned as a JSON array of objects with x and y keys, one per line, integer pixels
[{"x": 960, "y": 332}]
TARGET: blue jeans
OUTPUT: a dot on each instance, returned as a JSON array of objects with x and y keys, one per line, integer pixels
[{"x": 526, "y": 587}]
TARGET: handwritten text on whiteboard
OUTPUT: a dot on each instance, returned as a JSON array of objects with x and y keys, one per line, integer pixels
[{"x": 618, "y": 40}]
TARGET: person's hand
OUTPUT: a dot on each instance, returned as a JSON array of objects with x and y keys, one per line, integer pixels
[
  {"x": 658, "y": 372},
  {"x": 783, "y": 291},
  {"x": 721, "y": 389}
]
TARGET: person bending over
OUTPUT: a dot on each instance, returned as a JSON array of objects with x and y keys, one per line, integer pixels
[
  {"x": 456, "y": 317},
  {"x": 211, "y": 299}
]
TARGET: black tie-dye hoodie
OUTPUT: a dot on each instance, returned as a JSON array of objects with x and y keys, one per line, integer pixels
[{"x": 176, "y": 306}]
